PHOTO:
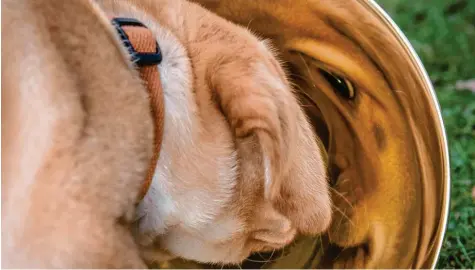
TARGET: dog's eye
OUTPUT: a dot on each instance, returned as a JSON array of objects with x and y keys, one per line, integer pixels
[{"x": 339, "y": 84}]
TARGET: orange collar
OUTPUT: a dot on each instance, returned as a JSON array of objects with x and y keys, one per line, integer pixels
[{"x": 146, "y": 54}]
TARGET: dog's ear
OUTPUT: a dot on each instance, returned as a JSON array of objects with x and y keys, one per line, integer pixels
[
  {"x": 259, "y": 108},
  {"x": 278, "y": 148},
  {"x": 305, "y": 197}
]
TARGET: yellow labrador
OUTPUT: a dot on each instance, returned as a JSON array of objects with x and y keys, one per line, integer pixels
[{"x": 240, "y": 169}]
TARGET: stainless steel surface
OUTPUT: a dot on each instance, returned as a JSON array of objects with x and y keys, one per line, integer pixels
[
  {"x": 417, "y": 169},
  {"x": 439, "y": 125}
]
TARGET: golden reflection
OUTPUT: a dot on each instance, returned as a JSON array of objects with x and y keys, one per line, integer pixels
[{"x": 386, "y": 147}]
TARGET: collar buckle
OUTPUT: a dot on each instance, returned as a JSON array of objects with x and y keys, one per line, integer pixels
[{"x": 139, "y": 58}]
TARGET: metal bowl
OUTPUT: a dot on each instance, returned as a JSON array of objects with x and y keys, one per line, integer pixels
[{"x": 388, "y": 140}]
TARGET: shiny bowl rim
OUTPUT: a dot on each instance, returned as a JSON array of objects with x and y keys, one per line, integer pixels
[{"x": 435, "y": 111}]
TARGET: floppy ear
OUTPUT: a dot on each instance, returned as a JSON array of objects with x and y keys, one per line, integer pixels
[
  {"x": 305, "y": 197},
  {"x": 280, "y": 149},
  {"x": 260, "y": 111}
]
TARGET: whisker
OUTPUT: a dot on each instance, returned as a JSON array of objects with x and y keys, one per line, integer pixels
[
  {"x": 283, "y": 256},
  {"x": 283, "y": 253},
  {"x": 257, "y": 261},
  {"x": 308, "y": 70},
  {"x": 321, "y": 244},
  {"x": 342, "y": 196},
  {"x": 271, "y": 255},
  {"x": 265, "y": 261},
  {"x": 339, "y": 223},
  {"x": 341, "y": 219},
  {"x": 260, "y": 255},
  {"x": 249, "y": 23},
  {"x": 343, "y": 214},
  {"x": 299, "y": 76}
]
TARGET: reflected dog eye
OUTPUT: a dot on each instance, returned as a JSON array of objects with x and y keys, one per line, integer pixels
[{"x": 342, "y": 86}]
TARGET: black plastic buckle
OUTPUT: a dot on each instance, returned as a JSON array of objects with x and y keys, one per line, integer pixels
[{"x": 141, "y": 59}]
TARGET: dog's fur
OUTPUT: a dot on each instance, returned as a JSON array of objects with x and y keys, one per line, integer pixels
[{"x": 240, "y": 169}]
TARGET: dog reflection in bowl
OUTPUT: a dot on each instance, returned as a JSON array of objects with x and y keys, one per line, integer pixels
[{"x": 359, "y": 90}]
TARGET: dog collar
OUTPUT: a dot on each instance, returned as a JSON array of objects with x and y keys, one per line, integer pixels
[{"x": 146, "y": 55}]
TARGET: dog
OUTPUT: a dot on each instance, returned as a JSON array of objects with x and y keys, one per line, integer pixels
[{"x": 240, "y": 169}]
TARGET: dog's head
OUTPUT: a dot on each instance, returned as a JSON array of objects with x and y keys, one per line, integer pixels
[{"x": 240, "y": 169}]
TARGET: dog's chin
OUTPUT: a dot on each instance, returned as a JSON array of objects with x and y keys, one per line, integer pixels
[
  {"x": 230, "y": 253},
  {"x": 195, "y": 249},
  {"x": 234, "y": 259},
  {"x": 221, "y": 257}
]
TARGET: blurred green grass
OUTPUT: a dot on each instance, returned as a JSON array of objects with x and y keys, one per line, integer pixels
[{"x": 443, "y": 34}]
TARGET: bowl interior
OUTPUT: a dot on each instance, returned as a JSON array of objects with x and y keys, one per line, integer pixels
[{"x": 390, "y": 136}]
